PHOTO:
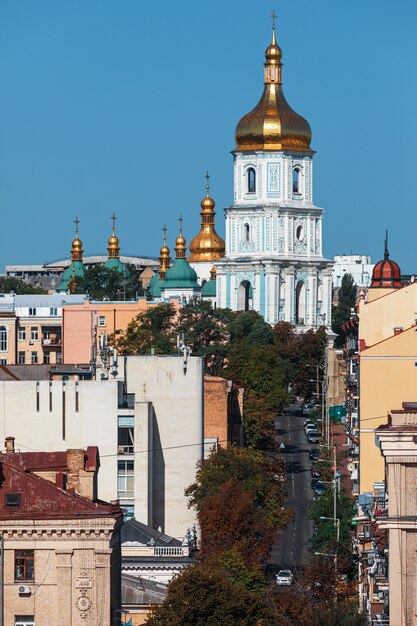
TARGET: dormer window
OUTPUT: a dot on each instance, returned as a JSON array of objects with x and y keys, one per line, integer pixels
[
  {"x": 296, "y": 180},
  {"x": 251, "y": 180}
]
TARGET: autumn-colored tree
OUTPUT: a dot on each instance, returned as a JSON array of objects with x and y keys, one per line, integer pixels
[
  {"x": 230, "y": 519},
  {"x": 258, "y": 475},
  {"x": 207, "y": 596}
]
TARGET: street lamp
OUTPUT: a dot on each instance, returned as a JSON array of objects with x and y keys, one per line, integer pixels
[
  {"x": 336, "y": 522},
  {"x": 335, "y": 569}
]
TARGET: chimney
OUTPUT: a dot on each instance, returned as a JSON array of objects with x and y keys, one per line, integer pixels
[
  {"x": 9, "y": 444},
  {"x": 398, "y": 330}
]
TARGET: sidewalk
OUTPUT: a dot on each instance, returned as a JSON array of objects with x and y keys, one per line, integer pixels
[{"x": 338, "y": 436}]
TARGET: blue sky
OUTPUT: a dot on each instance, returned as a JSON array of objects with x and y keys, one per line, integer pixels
[{"x": 123, "y": 105}]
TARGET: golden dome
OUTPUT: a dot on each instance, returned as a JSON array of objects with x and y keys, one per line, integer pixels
[
  {"x": 164, "y": 256},
  {"x": 207, "y": 245},
  {"x": 77, "y": 244},
  {"x": 272, "y": 124},
  {"x": 180, "y": 242},
  {"x": 113, "y": 247}
]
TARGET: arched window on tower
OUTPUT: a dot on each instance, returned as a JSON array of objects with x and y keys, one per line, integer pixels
[
  {"x": 3, "y": 339},
  {"x": 246, "y": 232},
  {"x": 296, "y": 180},
  {"x": 251, "y": 180}
]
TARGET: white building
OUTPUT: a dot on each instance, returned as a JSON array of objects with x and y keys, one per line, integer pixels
[
  {"x": 273, "y": 260},
  {"x": 148, "y": 426},
  {"x": 358, "y": 265}
]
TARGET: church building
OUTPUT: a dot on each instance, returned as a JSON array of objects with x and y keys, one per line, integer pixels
[{"x": 273, "y": 261}]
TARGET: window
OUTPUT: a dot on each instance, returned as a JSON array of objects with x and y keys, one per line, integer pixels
[
  {"x": 246, "y": 232},
  {"x": 32, "y": 310},
  {"x": 22, "y": 333},
  {"x": 34, "y": 358},
  {"x": 22, "y": 358},
  {"x": 46, "y": 358},
  {"x": 24, "y": 620},
  {"x": 125, "y": 479},
  {"x": 34, "y": 333},
  {"x": 125, "y": 440},
  {"x": 102, "y": 320},
  {"x": 53, "y": 311},
  {"x": 12, "y": 499},
  {"x": 24, "y": 565},
  {"x": 251, "y": 180},
  {"x": 3, "y": 339},
  {"x": 296, "y": 180},
  {"x": 299, "y": 233},
  {"x": 3, "y": 361}
]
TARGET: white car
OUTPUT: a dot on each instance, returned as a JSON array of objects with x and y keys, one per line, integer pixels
[{"x": 284, "y": 577}]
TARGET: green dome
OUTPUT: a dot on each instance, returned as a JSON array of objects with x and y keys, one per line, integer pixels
[
  {"x": 116, "y": 264},
  {"x": 181, "y": 275},
  {"x": 209, "y": 289},
  {"x": 155, "y": 286},
  {"x": 79, "y": 272}
]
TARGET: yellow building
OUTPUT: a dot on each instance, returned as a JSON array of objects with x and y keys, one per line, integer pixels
[{"x": 388, "y": 360}]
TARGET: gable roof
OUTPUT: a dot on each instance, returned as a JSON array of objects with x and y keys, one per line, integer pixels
[
  {"x": 132, "y": 530},
  {"x": 41, "y": 499}
]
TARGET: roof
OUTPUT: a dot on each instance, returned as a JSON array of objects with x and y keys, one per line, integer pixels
[
  {"x": 181, "y": 275},
  {"x": 50, "y": 461},
  {"x": 25, "y": 372},
  {"x": 135, "y": 531},
  {"x": 79, "y": 272},
  {"x": 116, "y": 264},
  {"x": 138, "y": 590},
  {"x": 41, "y": 499},
  {"x": 209, "y": 289},
  {"x": 52, "y": 300}
]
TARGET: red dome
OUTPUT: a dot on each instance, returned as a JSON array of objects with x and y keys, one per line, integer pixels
[{"x": 386, "y": 274}]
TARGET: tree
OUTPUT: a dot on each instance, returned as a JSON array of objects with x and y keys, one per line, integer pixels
[
  {"x": 250, "y": 327},
  {"x": 230, "y": 519},
  {"x": 207, "y": 596},
  {"x": 257, "y": 474},
  {"x": 102, "y": 283},
  {"x": 206, "y": 331},
  {"x": 17, "y": 286},
  {"x": 342, "y": 312},
  {"x": 152, "y": 329}
]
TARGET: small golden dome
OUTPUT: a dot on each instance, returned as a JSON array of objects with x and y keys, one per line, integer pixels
[
  {"x": 113, "y": 246},
  {"x": 272, "y": 124},
  {"x": 164, "y": 256},
  {"x": 180, "y": 242},
  {"x": 207, "y": 245},
  {"x": 77, "y": 244},
  {"x": 213, "y": 273}
]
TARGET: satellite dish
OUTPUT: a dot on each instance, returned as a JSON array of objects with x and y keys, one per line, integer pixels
[{"x": 351, "y": 467}]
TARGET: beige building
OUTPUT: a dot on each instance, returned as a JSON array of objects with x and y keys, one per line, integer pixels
[
  {"x": 388, "y": 357},
  {"x": 147, "y": 421},
  {"x": 398, "y": 443},
  {"x": 60, "y": 551}
]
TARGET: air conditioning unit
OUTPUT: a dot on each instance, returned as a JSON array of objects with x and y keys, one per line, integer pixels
[{"x": 24, "y": 590}]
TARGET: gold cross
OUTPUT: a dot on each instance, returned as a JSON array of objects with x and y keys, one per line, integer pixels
[
  {"x": 180, "y": 221},
  {"x": 274, "y": 17},
  {"x": 114, "y": 218},
  {"x": 165, "y": 233},
  {"x": 76, "y": 222}
]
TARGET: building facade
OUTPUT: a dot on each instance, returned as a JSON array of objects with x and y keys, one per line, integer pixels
[{"x": 273, "y": 262}]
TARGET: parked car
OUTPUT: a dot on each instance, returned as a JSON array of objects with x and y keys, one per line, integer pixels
[
  {"x": 309, "y": 427},
  {"x": 309, "y": 424},
  {"x": 313, "y": 436},
  {"x": 315, "y": 473},
  {"x": 319, "y": 489},
  {"x": 284, "y": 577},
  {"x": 314, "y": 454},
  {"x": 315, "y": 482}
]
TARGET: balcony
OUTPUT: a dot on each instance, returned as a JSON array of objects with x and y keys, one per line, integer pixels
[
  {"x": 52, "y": 341},
  {"x": 125, "y": 449}
]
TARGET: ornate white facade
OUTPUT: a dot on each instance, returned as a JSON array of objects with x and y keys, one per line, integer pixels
[{"x": 273, "y": 262}]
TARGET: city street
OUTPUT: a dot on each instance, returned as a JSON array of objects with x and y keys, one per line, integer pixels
[{"x": 291, "y": 547}]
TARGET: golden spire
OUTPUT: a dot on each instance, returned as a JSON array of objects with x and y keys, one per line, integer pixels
[
  {"x": 113, "y": 244},
  {"x": 164, "y": 256},
  {"x": 207, "y": 245},
  {"x": 72, "y": 285},
  {"x": 180, "y": 248},
  {"x": 77, "y": 244},
  {"x": 213, "y": 273},
  {"x": 272, "y": 124}
]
